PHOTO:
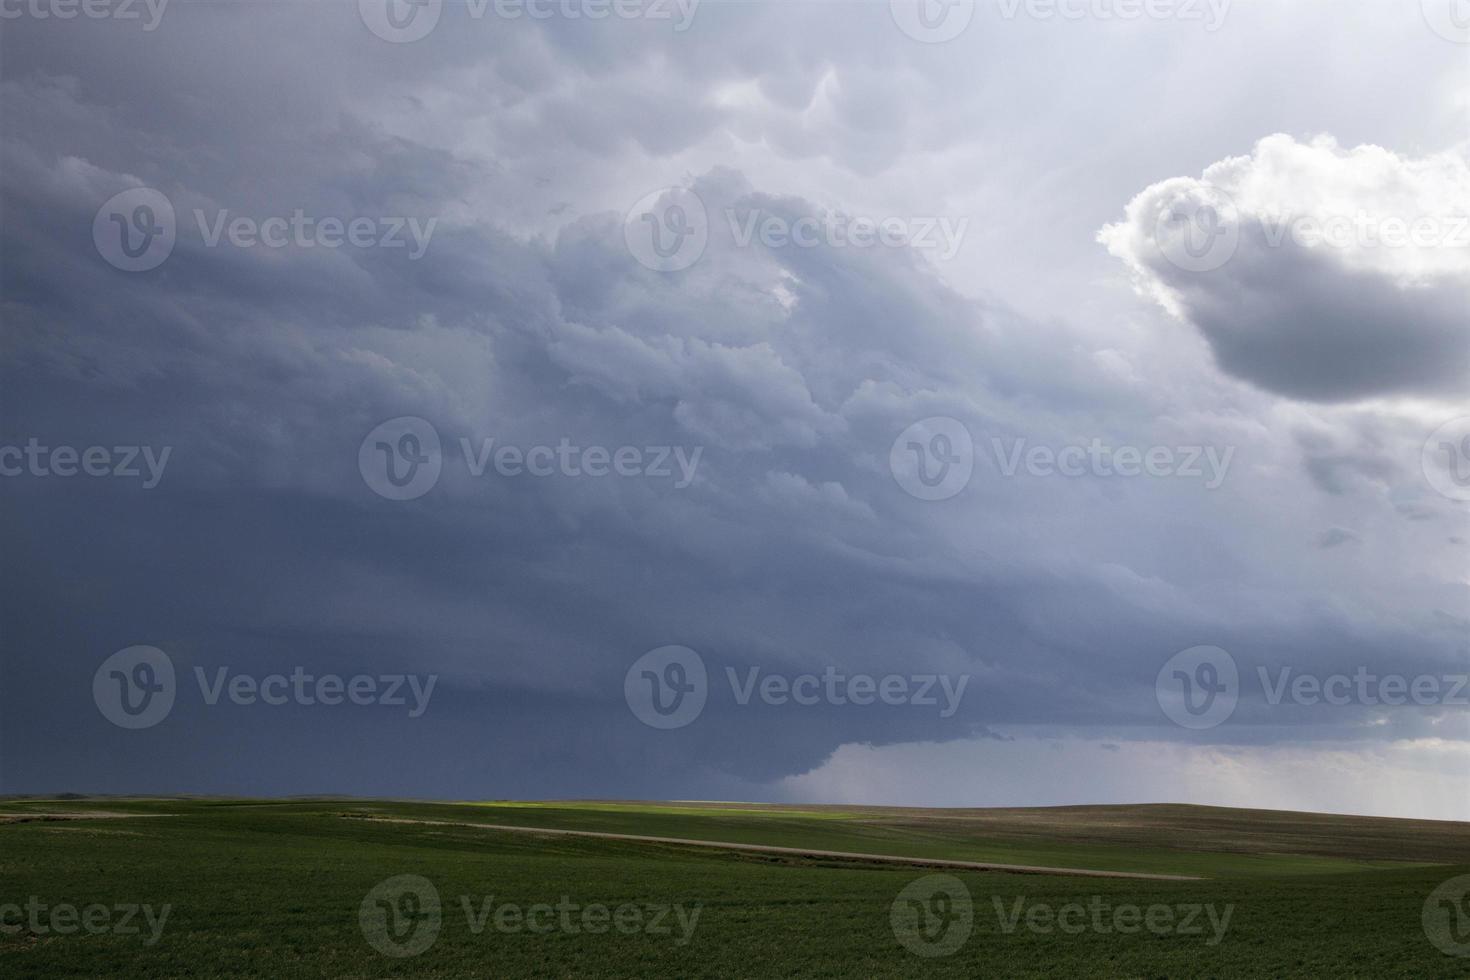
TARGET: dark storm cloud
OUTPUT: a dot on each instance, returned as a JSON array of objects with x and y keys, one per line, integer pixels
[
  {"x": 791, "y": 370},
  {"x": 1294, "y": 323}
]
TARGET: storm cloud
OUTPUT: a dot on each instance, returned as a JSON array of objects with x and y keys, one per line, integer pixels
[{"x": 784, "y": 374}]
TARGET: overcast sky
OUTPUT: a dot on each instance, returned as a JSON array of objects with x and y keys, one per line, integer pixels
[{"x": 841, "y": 281}]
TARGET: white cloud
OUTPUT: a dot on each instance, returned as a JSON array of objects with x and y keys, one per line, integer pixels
[{"x": 1314, "y": 271}]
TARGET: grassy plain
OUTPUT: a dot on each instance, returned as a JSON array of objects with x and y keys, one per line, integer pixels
[{"x": 275, "y": 888}]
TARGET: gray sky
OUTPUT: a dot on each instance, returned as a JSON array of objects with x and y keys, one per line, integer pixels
[{"x": 1234, "y": 233}]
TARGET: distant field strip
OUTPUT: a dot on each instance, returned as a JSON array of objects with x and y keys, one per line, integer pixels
[
  {"x": 798, "y": 851},
  {"x": 36, "y": 816}
]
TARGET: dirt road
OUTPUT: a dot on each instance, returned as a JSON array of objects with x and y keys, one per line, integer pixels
[{"x": 804, "y": 852}]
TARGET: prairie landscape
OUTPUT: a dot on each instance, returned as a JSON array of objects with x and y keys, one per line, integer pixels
[
  {"x": 453, "y": 452},
  {"x": 334, "y": 888}
]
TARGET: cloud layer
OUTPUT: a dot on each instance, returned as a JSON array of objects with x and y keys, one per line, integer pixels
[{"x": 791, "y": 369}]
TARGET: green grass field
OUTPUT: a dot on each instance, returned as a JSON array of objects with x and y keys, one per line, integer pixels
[{"x": 279, "y": 889}]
